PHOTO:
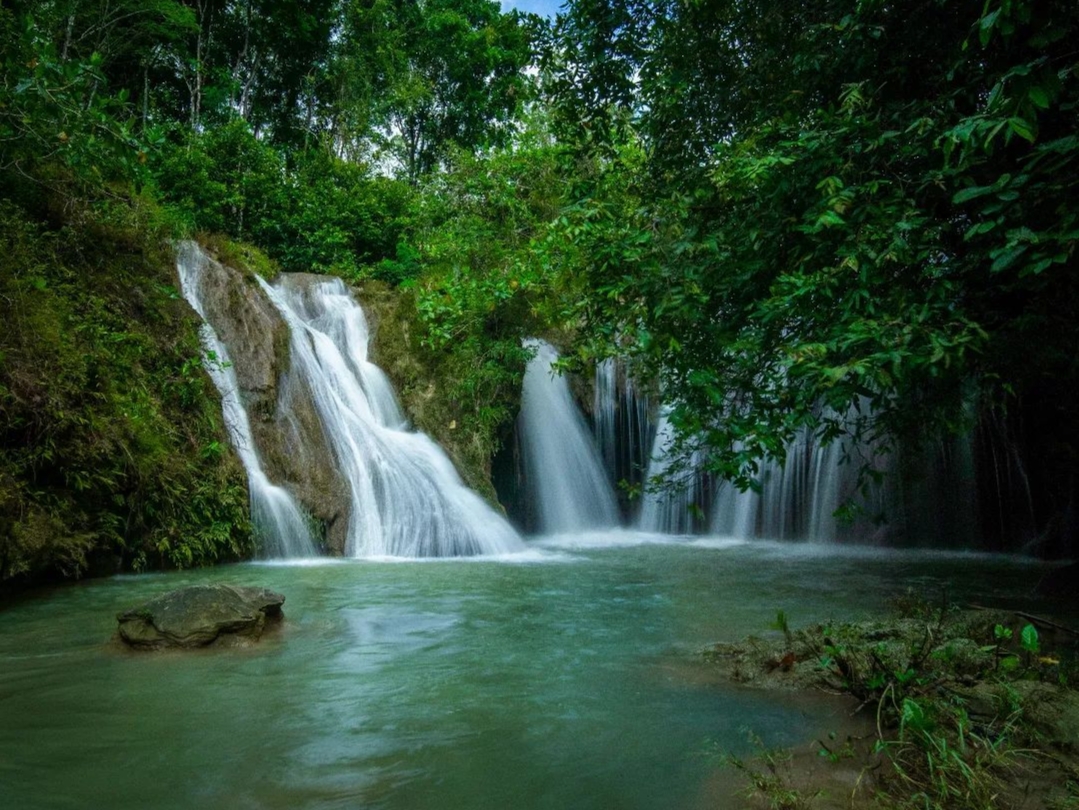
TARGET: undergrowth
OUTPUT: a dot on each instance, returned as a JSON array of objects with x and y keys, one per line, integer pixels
[
  {"x": 112, "y": 451},
  {"x": 771, "y": 778},
  {"x": 966, "y": 707}
]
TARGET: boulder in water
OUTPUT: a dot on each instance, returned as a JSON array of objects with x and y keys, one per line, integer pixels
[{"x": 199, "y": 615}]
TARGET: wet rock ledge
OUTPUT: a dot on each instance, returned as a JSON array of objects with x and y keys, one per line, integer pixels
[{"x": 199, "y": 616}]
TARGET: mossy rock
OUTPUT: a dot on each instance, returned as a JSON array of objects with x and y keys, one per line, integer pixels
[
  {"x": 198, "y": 616},
  {"x": 963, "y": 657}
]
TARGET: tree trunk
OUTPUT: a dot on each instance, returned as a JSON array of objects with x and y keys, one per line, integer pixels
[{"x": 68, "y": 33}]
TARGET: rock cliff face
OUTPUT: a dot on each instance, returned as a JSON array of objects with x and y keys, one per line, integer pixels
[{"x": 288, "y": 435}]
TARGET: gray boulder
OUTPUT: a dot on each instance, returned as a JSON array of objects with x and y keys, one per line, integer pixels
[{"x": 200, "y": 615}]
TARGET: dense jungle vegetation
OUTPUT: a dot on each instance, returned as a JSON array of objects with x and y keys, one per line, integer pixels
[{"x": 856, "y": 217}]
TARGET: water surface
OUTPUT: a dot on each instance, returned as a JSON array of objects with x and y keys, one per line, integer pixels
[{"x": 562, "y": 678}]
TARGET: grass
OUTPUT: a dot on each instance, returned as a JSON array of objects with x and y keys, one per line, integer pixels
[
  {"x": 770, "y": 774},
  {"x": 959, "y": 703}
]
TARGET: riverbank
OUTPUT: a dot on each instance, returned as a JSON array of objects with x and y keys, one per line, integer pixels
[{"x": 949, "y": 708}]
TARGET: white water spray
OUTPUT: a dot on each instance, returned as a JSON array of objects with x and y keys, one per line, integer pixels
[
  {"x": 407, "y": 500},
  {"x": 281, "y": 526},
  {"x": 564, "y": 471}
]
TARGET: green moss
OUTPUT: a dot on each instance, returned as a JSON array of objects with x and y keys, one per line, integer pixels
[
  {"x": 111, "y": 444},
  {"x": 240, "y": 255}
]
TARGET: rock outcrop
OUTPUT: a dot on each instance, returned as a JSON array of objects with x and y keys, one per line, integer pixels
[
  {"x": 288, "y": 434},
  {"x": 199, "y": 615}
]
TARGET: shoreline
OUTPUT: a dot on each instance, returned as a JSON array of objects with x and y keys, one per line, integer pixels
[{"x": 949, "y": 708}]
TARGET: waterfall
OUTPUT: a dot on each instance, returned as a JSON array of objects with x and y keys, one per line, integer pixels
[
  {"x": 676, "y": 508},
  {"x": 564, "y": 471},
  {"x": 931, "y": 501},
  {"x": 605, "y": 402},
  {"x": 406, "y": 498},
  {"x": 280, "y": 524},
  {"x": 734, "y": 513},
  {"x": 624, "y": 430},
  {"x": 798, "y": 498}
]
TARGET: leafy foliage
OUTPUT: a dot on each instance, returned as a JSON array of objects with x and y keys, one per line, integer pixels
[
  {"x": 59, "y": 111},
  {"x": 854, "y": 217},
  {"x": 112, "y": 449},
  {"x": 320, "y": 214},
  {"x": 432, "y": 77}
]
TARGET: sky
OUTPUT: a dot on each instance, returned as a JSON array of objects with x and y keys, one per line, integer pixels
[{"x": 545, "y": 8}]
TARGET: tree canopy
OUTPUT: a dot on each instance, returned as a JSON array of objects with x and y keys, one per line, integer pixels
[{"x": 852, "y": 218}]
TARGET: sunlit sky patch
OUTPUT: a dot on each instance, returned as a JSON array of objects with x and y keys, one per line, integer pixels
[{"x": 545, "y": 8}]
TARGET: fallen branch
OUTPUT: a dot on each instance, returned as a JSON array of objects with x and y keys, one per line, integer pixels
[{"x": 1030, "y": 617}]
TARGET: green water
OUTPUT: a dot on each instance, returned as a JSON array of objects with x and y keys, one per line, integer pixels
[{"x": 563, "y": 680}]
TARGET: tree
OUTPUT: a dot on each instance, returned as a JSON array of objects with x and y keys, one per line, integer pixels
[
  {"x": 858, "y": 216},
  {"x": 430, "y": 77},
  {"x": 60, "y": 110}
]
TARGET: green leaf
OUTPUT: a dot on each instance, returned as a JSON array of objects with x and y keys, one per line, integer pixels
[
  {"x": 830, "y": 218},
  {"x": 1028, "y": 638},
  {"x": 980, "y": 228},
  {"x": 972, "y": 193},
  {"x": 1036, "y": 267},
  {"x": 1039, "y": 97},
  {"x": 1007, "y": 258},
  {"x": 1022, "y": 128},
  {"x": 914, "y": 717}
]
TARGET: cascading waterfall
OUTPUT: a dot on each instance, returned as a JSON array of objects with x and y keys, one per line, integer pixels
[
  {"x": 799, "y": 499},
  {"x": 675, "y": 509},
  {"x": 280, "y": 524},
  {"x": 930, "y": 500},
  {"x": 406, "y": 498},
  {"x": 623, "y": 427},
  {"x": 605, "y": 412},
  {"x": 330, "y": 430},
  {"x": 564, "y": 471},
  {"x": 734, "y": 513}
]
